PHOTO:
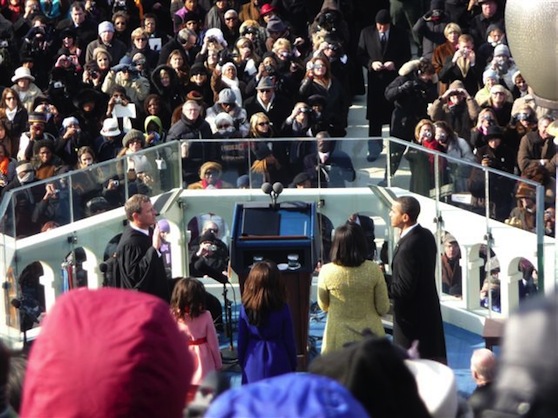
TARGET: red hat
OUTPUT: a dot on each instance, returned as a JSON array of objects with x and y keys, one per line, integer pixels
[
  {"x": 266, "y": 9},
  {"x": 108, "y": 353}
]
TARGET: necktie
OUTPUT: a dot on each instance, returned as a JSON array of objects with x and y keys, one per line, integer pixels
[{"x": 383, "y": 41}]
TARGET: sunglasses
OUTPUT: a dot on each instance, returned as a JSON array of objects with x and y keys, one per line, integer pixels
[
  {"x": 263, "y": 123},
  {"x": 265, "y": 90}
]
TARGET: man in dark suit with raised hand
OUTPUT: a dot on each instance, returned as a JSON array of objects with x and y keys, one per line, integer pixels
[
  {"x": 417, "y": 315},
  {"x": 140, "y": 263}
]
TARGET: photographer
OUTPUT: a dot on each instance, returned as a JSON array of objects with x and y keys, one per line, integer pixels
[
  {"x": 410, "y": 92},
  {"x": 126, "y": 75},
  {"x": 457, "y": 108},
  {"x": 70, "y": 140},
  {"x": 209, "y": 257},
  {"x": 461, "y": 66}
]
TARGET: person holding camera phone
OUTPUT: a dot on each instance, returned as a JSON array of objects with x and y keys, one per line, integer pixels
[{"x": 457, "y": 108}]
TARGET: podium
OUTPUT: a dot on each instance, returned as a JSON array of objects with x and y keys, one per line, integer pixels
[{"x": 268, "y": 232}]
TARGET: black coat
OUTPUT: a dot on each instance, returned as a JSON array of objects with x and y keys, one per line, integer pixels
[
  {"x": 410, "y": 96},
  {"x": 369, "y": 50},
  {"x": 416, "y": 306},
  {"x": 140, "y": 266}
]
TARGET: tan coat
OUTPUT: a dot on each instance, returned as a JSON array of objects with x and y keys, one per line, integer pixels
[{"x": 355, "y": 298}]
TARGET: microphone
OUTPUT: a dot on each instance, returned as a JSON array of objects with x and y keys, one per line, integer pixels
[
  {"x": 277, "y": 188},
  {"x": 267, "y": 188}
]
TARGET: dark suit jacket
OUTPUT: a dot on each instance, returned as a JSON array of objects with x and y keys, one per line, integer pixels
[
  {"x": 369, "y": 50},
  {"x": 140, "y": 266},
  {"x": 416, "y": 306}
]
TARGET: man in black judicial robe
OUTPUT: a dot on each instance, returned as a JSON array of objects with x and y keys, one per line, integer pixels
[
  {"x": 140, "y": 264},
  {"x": 416, "y": 306}
]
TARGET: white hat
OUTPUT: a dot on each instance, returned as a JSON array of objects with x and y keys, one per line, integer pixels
[
  {"x": 110, "y": 127},
  {"x": 22, "y": 72},
  {"x": 105, "y": 26},
  {"x": 437, "y": 387},
  {"x": 69, "y": 121}
]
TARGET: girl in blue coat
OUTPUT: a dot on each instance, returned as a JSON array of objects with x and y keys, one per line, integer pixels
[{"x": 266, "y": 345}]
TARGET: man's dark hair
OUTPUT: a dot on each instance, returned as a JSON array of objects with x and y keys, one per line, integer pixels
[{"x": 410, "y": 206}]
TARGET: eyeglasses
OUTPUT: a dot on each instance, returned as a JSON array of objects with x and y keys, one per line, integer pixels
[
  {"x": 213, "y": 231},
  {"x": 141, "y": 39},
  {"x": 230, "y": 18},
  {"x": 225, "y": 126},
  {"x": 263, "y": 123},
  {"x": 10, "y": 98},
  {"x": 265, "y": 90},
  {"x": 319, "y": 66},
  {"x": 120, "y": 23}
]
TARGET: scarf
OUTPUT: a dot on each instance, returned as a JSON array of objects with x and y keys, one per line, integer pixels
[
  {"x": 4, "y": 165},
  {"x": 233, "y": 85}
]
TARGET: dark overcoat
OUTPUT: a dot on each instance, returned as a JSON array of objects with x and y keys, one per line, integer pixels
[{"x": 416, "y": 305}]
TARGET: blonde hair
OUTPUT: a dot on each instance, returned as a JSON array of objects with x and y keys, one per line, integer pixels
[
  {"x": 452, "y": 27},
  {"x": 137, "y": 33},
  {"x": 281, "y": 43}
]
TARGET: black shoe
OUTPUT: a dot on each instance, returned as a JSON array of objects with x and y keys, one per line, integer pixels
[
  {"x": 383, "y": 183},
  {"x": 371, "y": 158}
]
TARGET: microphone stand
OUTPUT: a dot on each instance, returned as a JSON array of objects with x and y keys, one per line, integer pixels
[{"x": 229, "y": 355}]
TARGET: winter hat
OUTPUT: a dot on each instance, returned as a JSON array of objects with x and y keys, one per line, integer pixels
[
  {"x": 226, "y": 96},
  {"x": 198, "y": 68},
  {"x": 502, "y": 50},
  {"x": 227, "y": 65},
  {"x": 437, "y": 5},
  {"x": 489, "y": 74},
  {"x": 106, "y": 26},
  {"x": 243, "y": 181},
  {"x": 133, "y": 135},
  {"x": 497, "y": 88},
  {"x": 210, "y": 165},
  {"x": 24, "y": 166},
  {"x": 300, "y": 178},
  {"x": 164, "y": 225},
  {"x": 69, "y": 121},
  {"x": 118, "y": 361},
  {"x": 276, "y": 25},
  {"x": 448, "y": 238},
  {"x": 223, "y": 118},
  {"x": 294, "y": 395},
  {"x": 494, "y": 132},
  {"x": 217, "y": 34},
  {"x": 262, "y": 151},
  {"x": 383, "y": 17}
]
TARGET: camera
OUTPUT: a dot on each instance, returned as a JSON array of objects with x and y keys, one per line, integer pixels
[
  {"x": 428, "y": 134},
  {"x": 117, "y": 100},
  {"x": 213, "y": 247},
  {"x": 212, "y": 39},
  {"x": 93, "y": 74},
  {"x": 116, "y": 183},
  {"x": 56, "y": 192},
  {"x": 269, "y": 69},
  {"x": 305, "y": 110},
  {"x": 3, "y": 43}
]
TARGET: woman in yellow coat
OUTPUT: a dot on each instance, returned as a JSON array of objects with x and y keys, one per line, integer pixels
[{"x": 351, "y": 289}]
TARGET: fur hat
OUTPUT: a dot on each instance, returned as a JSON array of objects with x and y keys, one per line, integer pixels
[
  {"x": 24, "y": 166},
  {"x": 489, "y": 74},
  {"x": 217, "y": 34},
  {"x": 210, "y": 165},
  {"x": 224, "y": 117},
  {"x": 133, "y": 135}
]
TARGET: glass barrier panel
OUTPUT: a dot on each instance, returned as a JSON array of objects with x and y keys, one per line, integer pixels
[{"x": 8, "y": 224}]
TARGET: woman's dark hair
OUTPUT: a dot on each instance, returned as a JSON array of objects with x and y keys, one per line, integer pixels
[
  {"x": 263, "y": 293},
  {"x": 349, "y": 245},
  {"x": 188, "y": 298}
]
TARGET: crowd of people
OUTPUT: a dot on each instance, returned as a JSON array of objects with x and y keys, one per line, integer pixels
[{"x": 127, "y": 76}]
